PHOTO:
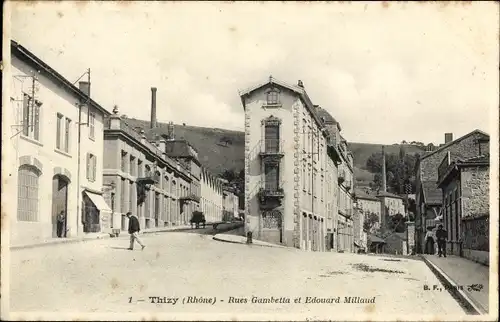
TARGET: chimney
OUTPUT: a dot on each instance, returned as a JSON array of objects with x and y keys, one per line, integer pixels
[
  {"x": 448, "y": 137},
  {"x": 153, "y": 107},
  {"x": 170, "y": 131},
  {"x": 84, "y": 87},
  {"x": 384, "y": 183},
  {"x": 300, "y": 84}
]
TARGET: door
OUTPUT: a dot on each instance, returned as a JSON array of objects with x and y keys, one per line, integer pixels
[
  {"x": 59, "y": 205},
  {"x": 272, "y": 228}
]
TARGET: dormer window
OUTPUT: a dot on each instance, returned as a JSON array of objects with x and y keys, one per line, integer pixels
[{"x": 273, "y": 97}]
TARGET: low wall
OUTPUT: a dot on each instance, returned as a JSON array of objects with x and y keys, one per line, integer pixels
[{"x": 478, "y": 256}]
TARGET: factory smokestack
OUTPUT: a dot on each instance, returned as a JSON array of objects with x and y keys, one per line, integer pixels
[
  {"x": 153, "y": 107},
  {"x": 384, "y": 176}
]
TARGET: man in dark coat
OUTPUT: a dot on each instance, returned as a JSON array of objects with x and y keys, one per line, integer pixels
[
  {"x": 61, "y": 218},
  {"x": 133, "y": 230},
  {"x": 441, "y": 236}
]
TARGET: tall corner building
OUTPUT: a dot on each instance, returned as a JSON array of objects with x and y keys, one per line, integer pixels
[{"x": 293, "y": 162}]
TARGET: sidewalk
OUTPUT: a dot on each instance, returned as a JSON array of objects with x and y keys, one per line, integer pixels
[
  {"x": 92, "y": 236},
  {"x": 458, "y": 271},
  {"x": 238, "y": 239}
]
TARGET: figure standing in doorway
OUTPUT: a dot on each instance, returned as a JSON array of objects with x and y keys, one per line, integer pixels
[
  {"x": 133, "y": 230},
  {"x": 61, "y": 218},
  {"x": 441, "y": 236},
  {"x": 429, "y": 242}
]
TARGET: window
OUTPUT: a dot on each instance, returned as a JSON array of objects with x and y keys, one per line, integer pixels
[
  {"x": 27, "y": 196},
  {"x": 133, "y": 170},
  {"x": 91, "y": 167},
  {"x": 272, "y": 132},
  {"x": 131, "y": 194},
  {"x": 123, "y": 204},
  {"x": 123, "y": 164},
  {"x": 31, "y": 118},
  {"x": 59, "y": 131},
  {"x": 63, "y": 129},
  {"x": 271, "y": 176},
  {"x": 92, "y": 125},
  {"x": 139, "y": 168},
  {"x": 67, "y": 129},
  {"x": 273, "y": 97}
]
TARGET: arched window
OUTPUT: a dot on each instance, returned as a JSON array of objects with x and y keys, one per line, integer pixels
[
  {"x": 27, "y": 195},
  {"x": 172, "y": 187},
  {"x": 147, "y": 170}
]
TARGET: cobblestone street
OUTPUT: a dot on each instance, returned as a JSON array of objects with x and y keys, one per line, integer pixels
[{"x": 101, "y": 276}]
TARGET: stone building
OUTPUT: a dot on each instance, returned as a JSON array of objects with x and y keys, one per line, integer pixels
[
  {"x": 465, "y": 187},
  {"x": 369, "y": 204},
  {"x": 229, "y": 204},
  {"x": 143, "y": 179},
  {"x": 52, "y": 153},
  {"x": 391, "y": 205},
  {"x": 345, "y": 225},
  {"x": 428, "y": 195},
  {"x": 291, "y": 168}
]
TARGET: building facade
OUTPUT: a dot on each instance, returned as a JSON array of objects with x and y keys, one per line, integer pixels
[
  {"x": 142, "y": 179},
  {"x": 391, "y": 205},
  {"x": 291, "y": 165},
  {"x": 54, "y": 153},
  {"x": 345, "y": 224},
  {"x": 465, "y": 187},
  {"x": 212, "y": 190},
  {"x": 369, "y": 204},
  {"x": 428, "y": 196}
]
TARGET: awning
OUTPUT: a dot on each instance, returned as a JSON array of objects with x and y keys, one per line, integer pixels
[{"x": 98, "y": 201}]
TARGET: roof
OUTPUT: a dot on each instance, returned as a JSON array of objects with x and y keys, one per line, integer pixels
[
  {"x": 388, "y": 195},
  {"x": 327, "y": 117},
  {"x": 296, "y": 89},
  {"x": 375, "y": 239},
  {"x": 362, "y": 194},
  {"x": 28, "y": 57},
  {"x": 399, "y": 235},
  {"x": 432, "y": 194},
  {"x": 445, "y": 146},
  {"x": 480, "y": 160}
]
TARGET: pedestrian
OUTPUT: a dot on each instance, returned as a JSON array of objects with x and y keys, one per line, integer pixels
[
  {"x": 60, "y": 223},
  {"x": 133, "y": 230},
  {"x": 441, "y": 236},
  {"x": 429, "y": 242}
]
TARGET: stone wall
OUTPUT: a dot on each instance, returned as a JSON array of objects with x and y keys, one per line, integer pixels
[
  {"x": 467, "y": 148},
  {"x": 475, "y": 191}
]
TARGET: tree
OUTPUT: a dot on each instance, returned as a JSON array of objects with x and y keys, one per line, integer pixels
[
  {"x": 370, "y": 220},
  {"x": 397, "y": 223}
]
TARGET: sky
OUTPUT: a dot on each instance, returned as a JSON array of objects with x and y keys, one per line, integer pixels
[{"x": 386, "y": 72}]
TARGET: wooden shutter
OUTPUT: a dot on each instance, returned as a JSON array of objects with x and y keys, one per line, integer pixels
[
  {"x": 88, "y": 166},
  {"x": 26, "y": 114},
  {"x": 94, "y": 168}
]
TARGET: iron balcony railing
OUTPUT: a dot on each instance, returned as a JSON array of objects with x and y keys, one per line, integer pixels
[
  {"x": 271, "y": 147},
  {"x": 270, "y": 189}
]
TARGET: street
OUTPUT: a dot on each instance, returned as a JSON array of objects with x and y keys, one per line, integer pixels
[{"x": 102, "y": 276}]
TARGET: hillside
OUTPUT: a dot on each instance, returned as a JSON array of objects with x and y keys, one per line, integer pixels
[{"x": 220, "y": 149}]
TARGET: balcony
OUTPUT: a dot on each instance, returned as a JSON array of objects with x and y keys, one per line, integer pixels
[
  {"x": 341, "y": 177},
  {"x": 271, "y": 149},
  {"x": 190, "y": 197},
  {"x": 270, "y": 196},
  {"x": 149, "y": 179}
]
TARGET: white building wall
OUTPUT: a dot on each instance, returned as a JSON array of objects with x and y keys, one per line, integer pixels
[{"x": 54, "y": 99}]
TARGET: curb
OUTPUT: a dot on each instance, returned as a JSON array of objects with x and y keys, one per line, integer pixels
[
  {"x": 62, "y": 242},
  {"x": 470, "y": 305},
  {"x": 252, "y": 244}
]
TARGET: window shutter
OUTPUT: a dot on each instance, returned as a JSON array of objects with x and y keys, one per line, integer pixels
[
  {"x": 95, "y": 167},
  {"x": 26, "y": 117},
  {"x": 88, "y": 166}
]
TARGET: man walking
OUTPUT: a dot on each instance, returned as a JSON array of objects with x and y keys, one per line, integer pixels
[
  {"x": 441, "y": 236},
  {"x": 133, "y": 230}
]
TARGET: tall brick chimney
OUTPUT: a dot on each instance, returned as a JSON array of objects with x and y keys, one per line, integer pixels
[
  {"x": 153, "y": 107},
  {"x": 84, "y": 87},
  {"x": 448, "y": 137},
  {"x": 384, "y": 183}
]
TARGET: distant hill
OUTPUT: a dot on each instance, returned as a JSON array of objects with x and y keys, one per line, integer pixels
[{"x": 220, "y": 149}]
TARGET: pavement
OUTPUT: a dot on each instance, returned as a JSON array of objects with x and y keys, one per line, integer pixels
[
  {"x": 95, "y": 236},
  {"x": 468, "y": 281},
  {"x": 203, "y": 279}
]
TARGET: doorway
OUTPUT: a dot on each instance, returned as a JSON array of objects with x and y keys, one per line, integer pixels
[{"x": 60, "y": 185}]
